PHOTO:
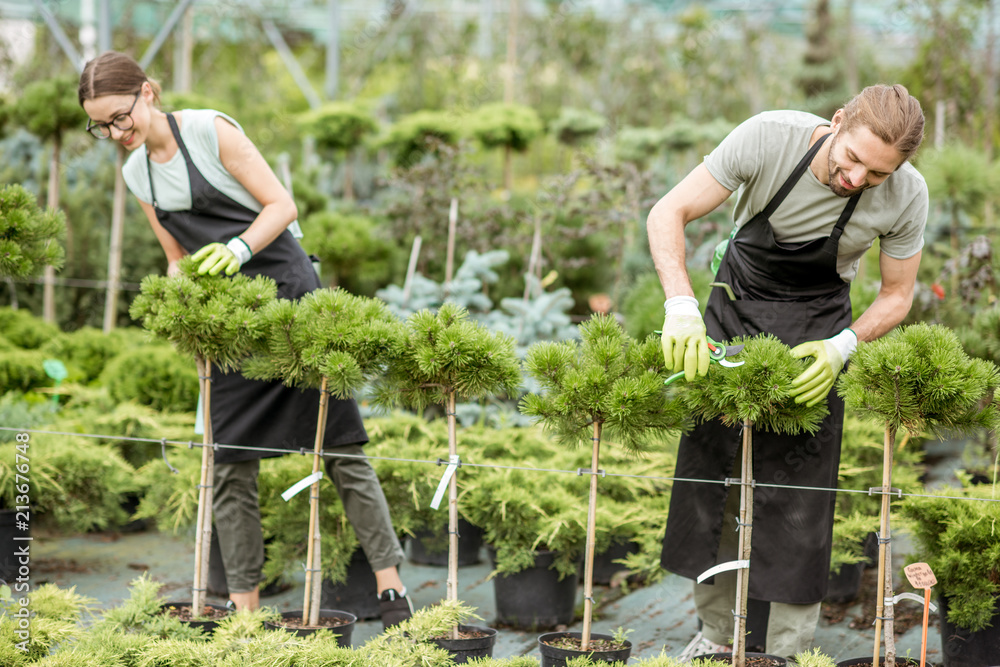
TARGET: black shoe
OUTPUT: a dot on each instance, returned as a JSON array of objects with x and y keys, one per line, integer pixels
[{"x": 395, "y": 608}]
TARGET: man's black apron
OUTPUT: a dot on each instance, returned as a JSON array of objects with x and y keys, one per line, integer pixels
[
  {"x": 795, "y": 293},
  {"x": 251, "y": 413}
]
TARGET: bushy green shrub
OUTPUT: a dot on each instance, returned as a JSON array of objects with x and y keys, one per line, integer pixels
[
  {"x": 25, "y": 330},
  {"x": 352, "y": 252},
  {"x": 88, "y": 349},
  {"x": 24, "y": 411},
  {"x": 21, "y": 370},
  {"x": 154, "y": 375}
]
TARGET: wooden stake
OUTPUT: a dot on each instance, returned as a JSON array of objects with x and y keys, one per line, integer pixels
[
  {"x": 889, "y": 610},
  {"x": 449, "y": 266},
  {"x": 411, "y": 269},
  {"x": 452, "y": 508},
  {"x": 745, "y": 527},
  {"x": 588, "y": 568},
  {"x": 883, "y": 543},
  {"x": 310, "y": 603},
  {"x": 203, "y": 531}
]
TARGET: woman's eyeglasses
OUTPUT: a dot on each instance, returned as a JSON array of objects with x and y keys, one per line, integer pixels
[{"x": 122, "y": 121}]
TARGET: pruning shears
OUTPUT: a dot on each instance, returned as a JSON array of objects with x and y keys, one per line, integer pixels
[{"x": 718, "y": 353}]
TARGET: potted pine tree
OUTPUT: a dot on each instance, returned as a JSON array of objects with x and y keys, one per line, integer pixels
[
  {"x": 447, "y": 356},
  {"x": 335, "y": 342},
  {"x": 606, "y": 385},
  {"x": 918, "y": 378},
  {"x": 216, "y": 320},
  {"x": 756, "y": 395}
]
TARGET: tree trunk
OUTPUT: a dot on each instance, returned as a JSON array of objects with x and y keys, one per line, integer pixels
[
  {"x": 745, "y": 526},
  {"x": 203, "y": 532},
  {"x": 588, "y": 568},
  {"x": 884, "y": 582},
  {"x": 452, "y": 508},
  {"x": 310, "y": 603}
]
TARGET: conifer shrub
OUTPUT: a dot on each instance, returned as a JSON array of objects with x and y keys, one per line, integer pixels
[
  {"x": 29, "y": 235},
  {"x": 87, "y": 349},
  {"x": 21, "y": 371},
  {"x": 154, "y": 375},
  {"x": 24, "y": 330}
]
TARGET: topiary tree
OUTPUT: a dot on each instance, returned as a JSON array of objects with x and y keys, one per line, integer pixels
[
  {"x": 351, "y": 250},
  {"x": 47, "y": 109},
  {"x": 340, "y": 127},
  {"x": 754, "y": 394},
  {"x": 573, "y": 127},
  {"x": 216, "y": 320},
  {"x": 335, "y": 342},
  {"x": 417, "y": 134},
  {"x": 607, "y": 384},
  {"x": 918, "y": 378},
  {"x": 443, "y": 357},
  {"x": 28, "y": 235},
  {"x": 509, "y": 126}
]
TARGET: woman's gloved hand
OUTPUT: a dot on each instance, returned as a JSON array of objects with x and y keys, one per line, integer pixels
[
  {"x": 216, "y": 257},
  {"x": 684, "y": 341},
  {"x": 815, "y": 382}
]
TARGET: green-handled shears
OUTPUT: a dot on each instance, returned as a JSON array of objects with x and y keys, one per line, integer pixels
[{"x": 717, "y": 352}]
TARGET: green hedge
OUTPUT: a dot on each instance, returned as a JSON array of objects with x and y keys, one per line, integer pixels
[{"x": 154, "y": 375}]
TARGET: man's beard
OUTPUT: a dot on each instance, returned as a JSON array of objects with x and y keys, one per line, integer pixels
[{"x": 835, "y": 171}]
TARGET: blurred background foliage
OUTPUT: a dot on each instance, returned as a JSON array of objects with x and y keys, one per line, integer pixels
[{"x": 555, "y": 128}]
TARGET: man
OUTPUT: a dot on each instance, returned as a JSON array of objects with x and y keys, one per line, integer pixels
[{"x": 812, "y": 196}]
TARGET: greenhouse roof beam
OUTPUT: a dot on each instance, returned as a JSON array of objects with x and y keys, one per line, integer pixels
[
  {"x": 61, "y": 38},
  {"x": 161, "y": 36},
  {"x": 301, "y": 80}
]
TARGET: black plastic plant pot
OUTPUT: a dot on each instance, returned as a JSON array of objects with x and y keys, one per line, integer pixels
[
  {"x": 341, "y": 623},
  {"x": 961, "y": 648},
  {"x": 845, "y": 585},
  {"x": 900, "y": 662},
  {"x": 605, "y": 566},
  {"x": 555, "y": 656},
  {"x": 535, "y": 598},
  {"x": 213, "y": 611},
  {"x": 470, "y": 541},
  {"x": 479, "y": 643},
  {"x": 760, "y": 659},
  {"x": 358, "y": 594}
]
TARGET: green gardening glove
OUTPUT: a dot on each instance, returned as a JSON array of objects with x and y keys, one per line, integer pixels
[
  {"x": 815, "y": 382},
  {"x": 684, "y": 338},
  {"x": 216, "y": 257}
]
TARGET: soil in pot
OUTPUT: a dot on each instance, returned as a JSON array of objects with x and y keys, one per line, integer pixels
[
  {"x": 534, "y": 598},
  {"x": 605, "y": 566},
  {"x": 211, "y": 613},
  {"x": 961, "y": 648},
  {"x": 473, "y": 642},
  {"x": 753, "y": 659},
  {"x": 558, "y": 647},
  {"x": 357, "y": 595},
  {"x": 900, "y": 662},
  {"x": 340, "y": 623},
  {"x": 431, "y": 547}
]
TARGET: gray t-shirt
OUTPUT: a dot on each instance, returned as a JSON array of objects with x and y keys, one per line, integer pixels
[
  {"x": 170, "y": 179},
  {"x": 757, "y": 157}
]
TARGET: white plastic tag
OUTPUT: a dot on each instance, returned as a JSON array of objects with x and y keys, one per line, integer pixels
[
  {"x": 914, "y": 597},
  {"x": 453, "y": 461},
  {"x": 301, "y": 484},
  {"x": 723, "y": 567}
]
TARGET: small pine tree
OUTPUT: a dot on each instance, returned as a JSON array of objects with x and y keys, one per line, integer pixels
[
  {"x": 335, "y": 342},
  {"x": 511, "y": 127},
  {"x": 606, "y": 381},
  {"x": 217, "y": 320},
  {"x": 446, "y": 356},
  {"x": 340, "y": 127},
  {"x": 28, "y": 235},
  {"x": 918, "y": 378}
]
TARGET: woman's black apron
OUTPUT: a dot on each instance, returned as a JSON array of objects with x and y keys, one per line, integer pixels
[
  {"x": 251, "y": 413},
  {"x": 795, "y": 293}
]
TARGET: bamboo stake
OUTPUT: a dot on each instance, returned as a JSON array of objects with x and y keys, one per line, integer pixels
[
  {"x": 452, "y": 508},
  {"x": 588, "y": 568},
  {"x": 890, "y": 636},
  {"x": 449, "y": 266},
  {"x": 411, "y": 269},
  {"x": 745, "y": 527},
  {"x": 203, "y": 532},
  {"x": 883, "y": 542},
  {"x": 310, "y": 603}
]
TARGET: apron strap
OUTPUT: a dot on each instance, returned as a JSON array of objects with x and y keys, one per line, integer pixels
[
  {"x": 793, "y": 178},
  {"x": 845, "y": 215},
  {"x": 149, "y": 167}
]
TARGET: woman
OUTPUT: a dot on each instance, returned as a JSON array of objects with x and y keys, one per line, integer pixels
[{"x": 207, "y": 190}]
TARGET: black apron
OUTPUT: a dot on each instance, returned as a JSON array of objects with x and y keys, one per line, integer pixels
[
  {"x": 794, "y": 292},
  {"x": 252, "y": 413}
]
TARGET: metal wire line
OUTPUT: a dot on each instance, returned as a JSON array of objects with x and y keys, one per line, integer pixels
[{"x": 438, "y": 462}]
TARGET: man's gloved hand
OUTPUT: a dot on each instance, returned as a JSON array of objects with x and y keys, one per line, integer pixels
[
  {"x": 815, "y": 382},
  {"x": 216, "y": 257},
  {"x": 684, "y": 341}
]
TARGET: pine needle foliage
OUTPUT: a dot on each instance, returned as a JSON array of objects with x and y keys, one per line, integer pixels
[
  {"x": 29, "y": 235},
  {"x": 919, "y": 378},
  {"x": 327, "y": 333},
  {"x": 61, "y": 604},
  {"x": 446, "y": 352},
  {"x": 215, "y": 318},
  {"x": 757, "y": 391},
  {"x": 606, "y": 378}
]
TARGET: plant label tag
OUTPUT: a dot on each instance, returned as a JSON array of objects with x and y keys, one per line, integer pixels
[{"x": 920, "y": 575}]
